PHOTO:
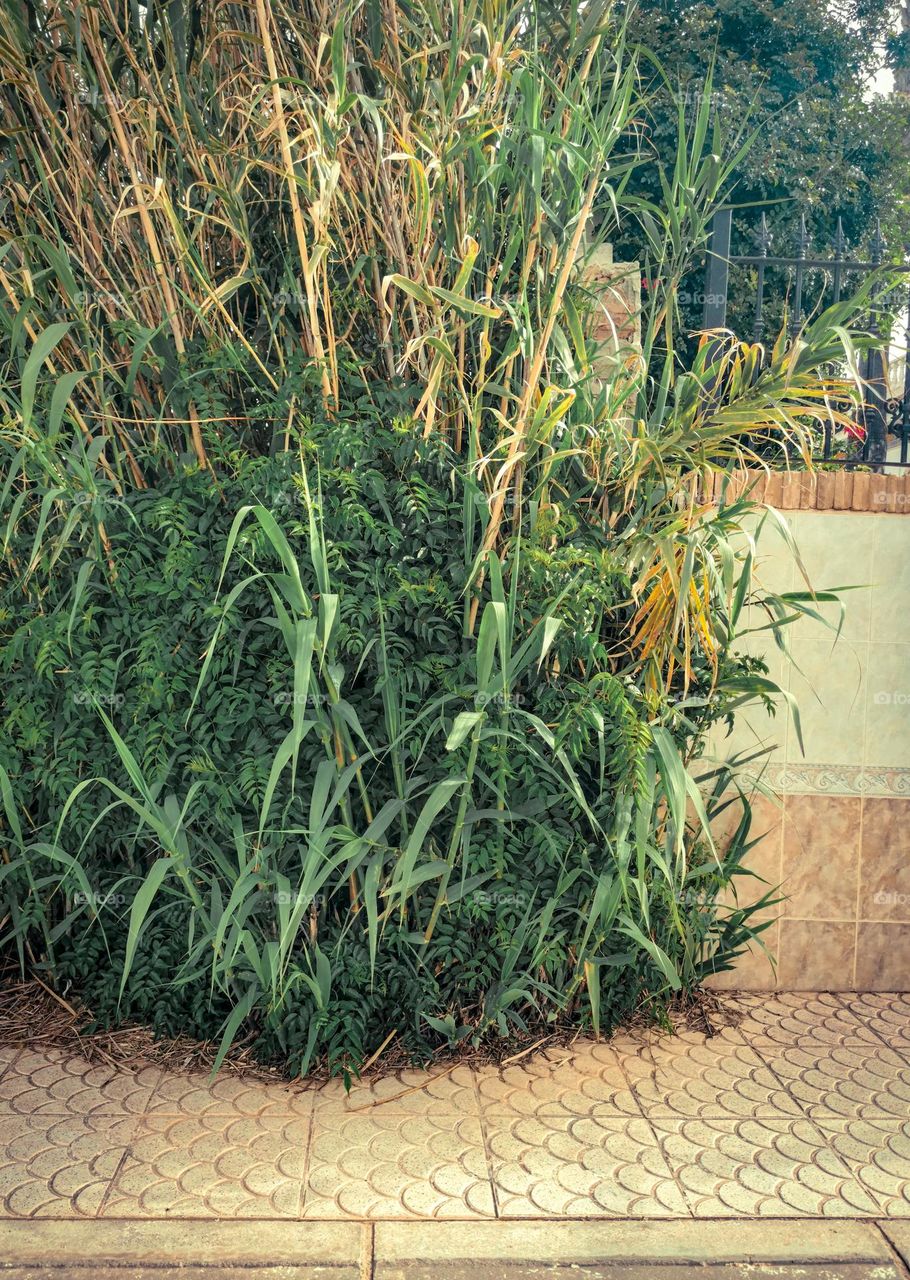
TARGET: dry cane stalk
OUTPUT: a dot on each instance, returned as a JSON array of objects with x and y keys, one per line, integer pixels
[
  {"x": 318, "y": 351},
  {"x": 148, "y": 227}
]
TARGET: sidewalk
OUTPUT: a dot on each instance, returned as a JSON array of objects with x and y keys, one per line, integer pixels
[{"x": 800, "y": 1109}]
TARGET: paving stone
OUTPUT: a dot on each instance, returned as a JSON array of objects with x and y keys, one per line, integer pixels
[
  {"x": 579, "y": 1167},
  {"x": 877, "y": 1152},
  {"x": 385, "y": 1162},
  {"x": 898, "y": 1233},
  {"x": 584, "y": 1080},
  {"x": 59, "y": 1166},
  {"x": 52, "y": 1082},
  {"x": 691, "y": 1074},
  {"x": 631, "y": 1241},
  {"x": 791, "y": 1017},
  {"x": 211, "y": 1166},
  {"x": 200, "y": 1095},
  {"x": 8, "y": 1055},
  {"x": 443, "y": 1092},
  {"x": 885, "y": 1014},
  {"x": 226, "y": 1271},
  {"x": 846, "y": 1080},
  {"x": 760, "y": 1167},
  {"x": 801, "y": 1108}
]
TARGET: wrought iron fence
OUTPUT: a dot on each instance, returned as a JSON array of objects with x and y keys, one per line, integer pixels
[{"x": 882, "y": 419}]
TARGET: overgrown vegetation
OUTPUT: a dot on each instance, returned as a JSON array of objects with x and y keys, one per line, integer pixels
[{"x": 361, "y": 630}]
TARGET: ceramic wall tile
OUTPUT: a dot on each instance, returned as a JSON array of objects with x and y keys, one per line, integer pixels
[
  {"x": 885, "y": 860},
  {"x": 882, "y": 957},
  {"x": 821, "y": 840},
  {"x": 816, "y": 955},
  {"x": 829, "y": 684}
]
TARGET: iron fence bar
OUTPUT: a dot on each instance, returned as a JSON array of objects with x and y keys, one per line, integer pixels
[
  {"x": 875, "y": 421},
  {"x": 802, "y": 248},
  {"x": 816, "y": 264},
  {"x": 764, "y": 244},
  {"x": 905, "y": 404},
  {"x": 840, "y": 247}
]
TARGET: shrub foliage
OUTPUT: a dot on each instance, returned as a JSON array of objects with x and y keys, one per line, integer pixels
[{"x": 358, "y": 640}]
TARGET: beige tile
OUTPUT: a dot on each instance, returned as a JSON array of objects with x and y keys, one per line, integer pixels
[
  {"x": 579, "y": 1168},
  {"x": 885, "y": 861},
  {"x": 836, "y": 549},
  {"x": 890, "y": 579},
  {"x": 829, "y": 684},
  {"x": 211, "y": 1166},
  {"x": 816, "y": 955},
  {"x": 888, "y": 705},
  {"x": 773, "y": 1167},
  {"x": 753, "y": 969},
  {"x": 775, "y": 564},
  {"x": 756, "y": 732},
  {"x": 761, "y": 864},
  {"x": 59, "y": 1166},
  {"x": 820, "y": 871},
  {"x": 756, "y": 639},
  {"x": 391, "y": 1163},
  {"x": 883, "y": 957},
  {"x": 764, "y": 837}
]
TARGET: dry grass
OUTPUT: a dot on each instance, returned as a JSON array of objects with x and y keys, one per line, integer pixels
[{"x": 34, "y": 1016}]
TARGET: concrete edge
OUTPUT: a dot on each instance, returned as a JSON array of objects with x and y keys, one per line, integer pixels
[
  {"x": 776, "y": 1240},
  {"x": 897, "y": 1232},
  {"x": 94, "y": 1242},
  {"x": 180, "y": 1242}
]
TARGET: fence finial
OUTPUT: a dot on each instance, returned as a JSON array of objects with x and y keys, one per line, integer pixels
[
  {"x": 803, "y": 240},
  {"x": 839, "y": 243},
  {"x": 763, "y": 238},
  {"x": 878, "y": 246}
]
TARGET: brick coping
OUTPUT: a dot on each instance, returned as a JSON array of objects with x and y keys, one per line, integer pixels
[{"x": 815, "y": 490}]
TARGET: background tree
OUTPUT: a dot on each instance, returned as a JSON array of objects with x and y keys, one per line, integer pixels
[{"x": 802, "y": 75}]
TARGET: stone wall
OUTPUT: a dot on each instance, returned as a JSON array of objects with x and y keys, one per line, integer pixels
[
  {"x": 838, "y": 838},
  {"x": 616, "y": 324}
]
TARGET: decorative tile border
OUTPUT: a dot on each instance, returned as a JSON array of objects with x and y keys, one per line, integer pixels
[{"x": 834, "y": 779}]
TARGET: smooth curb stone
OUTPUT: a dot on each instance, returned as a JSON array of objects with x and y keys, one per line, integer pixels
[
  {"x": 180, "y": 1243},
  {"x": 899, "y": 1235},
  {"x": 158, "y": 1271},
  {"x": 644, "y": 1271},
  {"x": 731, "y": 1240}
]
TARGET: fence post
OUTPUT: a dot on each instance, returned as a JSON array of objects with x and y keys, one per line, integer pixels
[{"x": 718, "y": 270}]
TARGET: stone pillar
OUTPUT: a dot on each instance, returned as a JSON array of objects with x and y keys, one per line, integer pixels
[{"x": 616, "y": 324}]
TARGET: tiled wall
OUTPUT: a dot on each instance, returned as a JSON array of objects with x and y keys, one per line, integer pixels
[{"x": 838, "y": 839}]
